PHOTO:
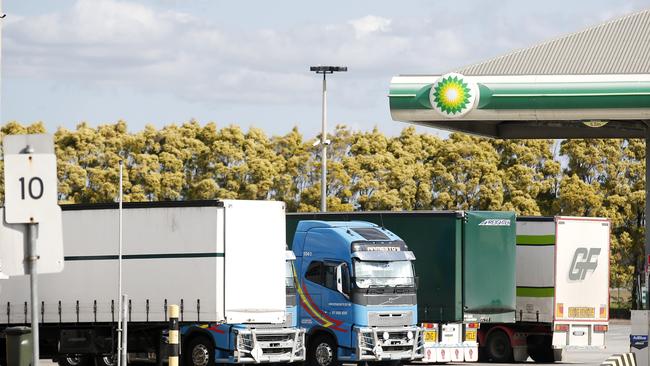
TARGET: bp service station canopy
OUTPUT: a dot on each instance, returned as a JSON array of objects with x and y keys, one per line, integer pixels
[{"x": 590, "y": 84}]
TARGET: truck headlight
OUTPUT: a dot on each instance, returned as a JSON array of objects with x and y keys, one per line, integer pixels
[
  {"x": 386, "y": 336},
  {"x": 409, "y": 335}
]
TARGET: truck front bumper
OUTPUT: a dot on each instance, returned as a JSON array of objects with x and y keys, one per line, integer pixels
[
  {"x": 263, "y": 345},
  {"x": 389, "y": 343}
]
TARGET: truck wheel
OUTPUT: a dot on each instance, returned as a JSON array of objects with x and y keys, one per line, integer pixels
[
  {"x": 498, "y": 347},
  {"x": 109, "y": 360},
  {"x": 322, "y": 351},
  {"x": 199, "y": 352},
  {"x": 73, "y": 360}
]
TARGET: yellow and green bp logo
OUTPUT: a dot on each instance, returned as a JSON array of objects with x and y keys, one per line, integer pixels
[{"x": 452, "y": 95}]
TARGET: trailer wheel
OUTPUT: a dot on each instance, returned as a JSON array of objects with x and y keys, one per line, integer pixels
[
  {"x": 73, "y": 360},
  {"x": 498, "y": 347},
  {"x": 199, "y": 352},
  {"x": 322, "y": 351}
]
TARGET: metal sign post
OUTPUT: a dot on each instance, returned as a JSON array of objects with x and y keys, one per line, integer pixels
[
  {"x": 30, "y": 199},
  {"x": 31, "y": 261}
]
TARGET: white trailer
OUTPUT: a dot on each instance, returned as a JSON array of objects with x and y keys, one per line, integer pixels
[
  {"x": 562, "y": 285},
  {"x": 223, "y": 262}
]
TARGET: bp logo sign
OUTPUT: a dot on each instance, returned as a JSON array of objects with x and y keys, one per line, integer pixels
[{"x": 453, "y": 96}]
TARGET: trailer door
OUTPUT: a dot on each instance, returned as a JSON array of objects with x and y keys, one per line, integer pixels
[
  {"x": 582, "y": 282},
  {"x": 489, "y": 252},
  {"x": 255, "y": 262}
]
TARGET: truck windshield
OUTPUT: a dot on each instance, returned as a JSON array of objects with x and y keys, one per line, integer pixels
[
  {"x": 288, "y": 276},
  {"x": 383, "y": 274}
]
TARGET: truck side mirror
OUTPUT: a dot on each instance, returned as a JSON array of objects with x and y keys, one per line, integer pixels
[{"x": 343, "y": 279}]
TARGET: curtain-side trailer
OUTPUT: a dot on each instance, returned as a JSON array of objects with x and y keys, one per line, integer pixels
[
  {"x": 562, "y": 289},
  {"x": 223, "y": 262}
]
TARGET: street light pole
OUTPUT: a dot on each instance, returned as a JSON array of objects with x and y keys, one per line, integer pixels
[
  {"x": 324, "y": 143},
  {"x": 323, "y": 137}
]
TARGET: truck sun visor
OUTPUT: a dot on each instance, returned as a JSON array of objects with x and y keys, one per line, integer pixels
[
  {"x": 369, "y": 246},
  {"x": 384, "y": 256}
]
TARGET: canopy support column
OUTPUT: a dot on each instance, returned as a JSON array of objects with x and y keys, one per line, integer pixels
[{"x": 646, "y": 251}]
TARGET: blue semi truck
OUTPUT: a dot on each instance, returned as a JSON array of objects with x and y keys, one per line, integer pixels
[{"x": 357, "y": 293}]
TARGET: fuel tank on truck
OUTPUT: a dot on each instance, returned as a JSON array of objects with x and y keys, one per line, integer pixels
[{"x": 466, "y": 260}]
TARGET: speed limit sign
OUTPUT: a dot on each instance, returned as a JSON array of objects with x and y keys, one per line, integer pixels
[{"x": 30, "y": 179}]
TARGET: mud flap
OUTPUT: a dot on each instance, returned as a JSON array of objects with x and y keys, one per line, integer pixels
[{"x": 520, "y": 354}]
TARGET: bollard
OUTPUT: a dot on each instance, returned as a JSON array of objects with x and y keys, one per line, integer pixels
[
  {"x": 18, "y": 346},
  {"x": 174, "y": 349}
]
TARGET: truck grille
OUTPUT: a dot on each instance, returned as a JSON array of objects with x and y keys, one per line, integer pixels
[
  {"x": 389, "y": 318},
  {"x": 372, "y": 344},
  {"x": 270, "y": 345}
]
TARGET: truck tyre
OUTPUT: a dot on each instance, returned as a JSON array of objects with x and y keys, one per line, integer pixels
[
  {"x": 107, "y": 360},
  {"x": 322, "y": 351},
  {"x": 73, "y": 360},
  {"x": 498, "y": 347},
  {"x": 199, "y": 352}
]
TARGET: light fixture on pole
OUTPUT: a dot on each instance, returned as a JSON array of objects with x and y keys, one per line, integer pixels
[{"x": 323, "y": 137}]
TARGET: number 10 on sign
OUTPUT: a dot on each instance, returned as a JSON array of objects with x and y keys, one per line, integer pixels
[{"x": 30, "y": 187}]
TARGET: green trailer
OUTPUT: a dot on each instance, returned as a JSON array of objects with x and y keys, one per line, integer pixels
[{"x": 465, "y": 263}]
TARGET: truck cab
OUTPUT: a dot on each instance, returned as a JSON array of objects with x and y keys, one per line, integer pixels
[{"x": 357, "y": 293}]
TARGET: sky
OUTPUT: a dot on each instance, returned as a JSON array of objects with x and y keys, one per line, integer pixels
[{"x": 247, "y": 63}]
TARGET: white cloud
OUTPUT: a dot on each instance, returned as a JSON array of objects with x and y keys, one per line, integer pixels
[{"x": 370, "y": 24}]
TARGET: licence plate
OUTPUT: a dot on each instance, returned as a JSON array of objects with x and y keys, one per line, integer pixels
[
  {"x": 577, "y": 312},
  {"x": 430, "y": 336},
  {"x": 470, "y": 335}
]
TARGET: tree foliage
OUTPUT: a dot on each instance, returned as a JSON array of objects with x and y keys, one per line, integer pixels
[{"x": 367, "y": 170}]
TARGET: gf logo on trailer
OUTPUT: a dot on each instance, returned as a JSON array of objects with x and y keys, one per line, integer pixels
[{"x": 583, "y": 260}]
